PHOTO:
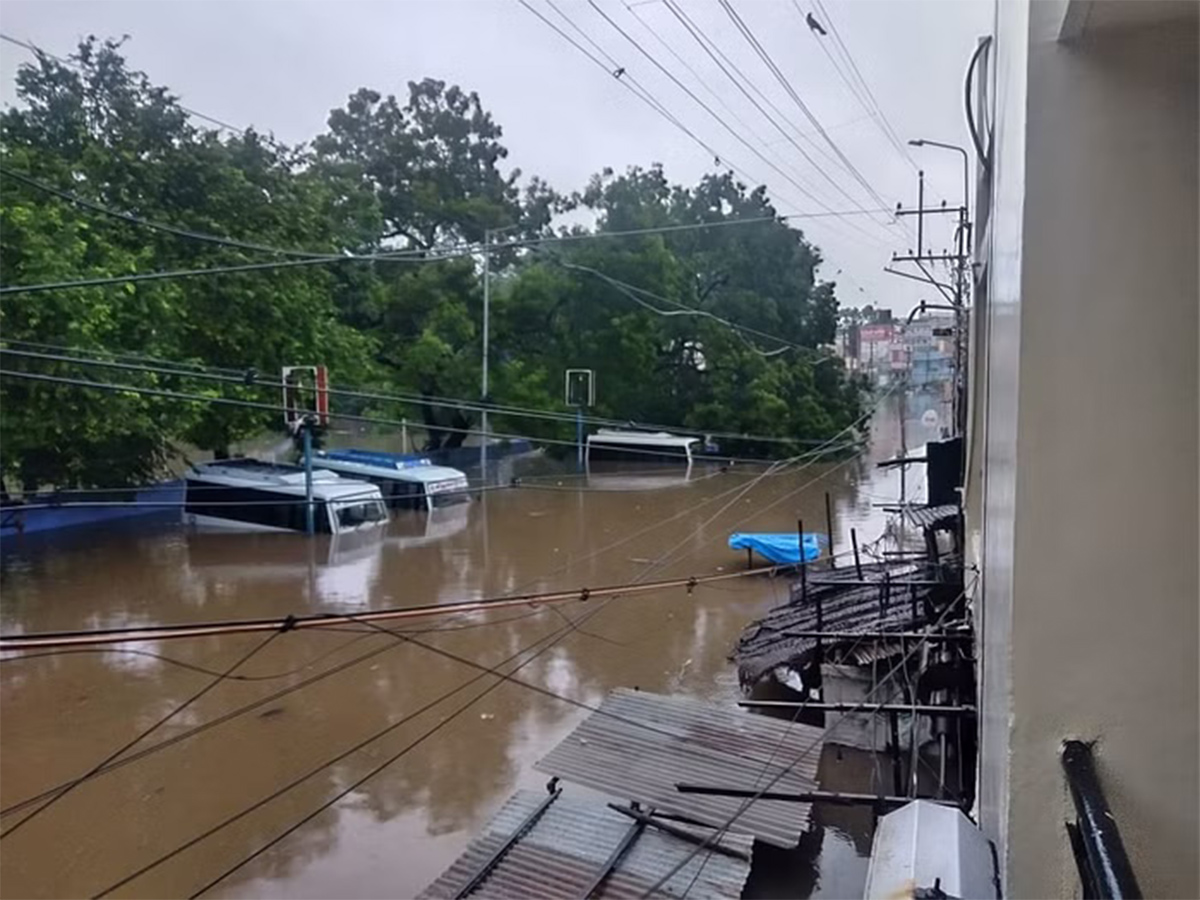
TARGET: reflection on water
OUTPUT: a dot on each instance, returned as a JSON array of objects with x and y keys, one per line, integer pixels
[{"x": 62, "y": 714}]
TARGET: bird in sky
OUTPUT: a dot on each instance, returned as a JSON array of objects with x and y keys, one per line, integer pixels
[
  {"x": 619, "y": 72},
  {"x": 815, "y": 25}
]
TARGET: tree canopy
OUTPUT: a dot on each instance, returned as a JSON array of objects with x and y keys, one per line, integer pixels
[{"x": 418, "y": 178}]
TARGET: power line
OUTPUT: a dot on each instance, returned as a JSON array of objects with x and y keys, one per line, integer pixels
[
  {"x": 549, "y": 642},
  {"x": 292, "y": 828},
  {"x": 644, "y": 95},
  {"x": 423, "y": 256},
  {"x": 884, "y": 122},
  {"x": 211, "y": 270},
  {"x": 220, "y": 676},
  {"x": 249, "y": 707},
  {"x": 154, "y": 226},
  {"x": 231, "y": 714},
  {"x": 774, "y": 69},
  {"x": 39, "y": 640},
  {"x": 859, "y": 90},
  {"x": 239, "y": 377},
  {"x": 708, "y": 109},
  {"x": 666, "y": 45},
  {"x": 707, "y": 44},
  {"x": 725, "y": 64},
  {"x": 33, "y": 48},
  {"x": 682, "y": 309}
]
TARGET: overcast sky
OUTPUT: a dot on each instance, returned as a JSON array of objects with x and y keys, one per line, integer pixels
[{"x": 281, "y": 66}]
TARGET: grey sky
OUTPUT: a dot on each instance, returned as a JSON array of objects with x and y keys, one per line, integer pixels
[{"x": 281, "y": 66}]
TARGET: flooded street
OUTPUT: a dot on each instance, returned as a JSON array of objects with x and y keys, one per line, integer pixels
[{"x": 64, "y": 713}]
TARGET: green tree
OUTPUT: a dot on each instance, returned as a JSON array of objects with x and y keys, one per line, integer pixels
[{"x": 100, "y": 131}]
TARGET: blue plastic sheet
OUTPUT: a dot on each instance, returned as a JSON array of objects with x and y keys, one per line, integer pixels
[{"x": 781, "y": 549}]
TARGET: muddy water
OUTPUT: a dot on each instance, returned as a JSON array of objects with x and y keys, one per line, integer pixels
[{"x": 63, "y": 714}]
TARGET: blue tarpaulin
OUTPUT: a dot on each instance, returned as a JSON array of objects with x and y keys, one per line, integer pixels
[{"x": 782, "y": 549}]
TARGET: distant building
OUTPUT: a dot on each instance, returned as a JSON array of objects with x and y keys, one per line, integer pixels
[
  {"x": 846, "y": 345},
  {"x": 875, "y": 351},
  {"x": 929, "y": 351}
]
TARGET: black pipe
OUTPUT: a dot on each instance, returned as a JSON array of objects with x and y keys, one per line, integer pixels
[
  {"x": 829, "y": 531},
  {"x": 1104, "y": 852}
]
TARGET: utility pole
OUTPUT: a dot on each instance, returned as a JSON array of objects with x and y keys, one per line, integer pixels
[
  {"x": 309, "y": 518},
  {"x": 956, "y": 292},
  {"x": 484, "y": 387}
]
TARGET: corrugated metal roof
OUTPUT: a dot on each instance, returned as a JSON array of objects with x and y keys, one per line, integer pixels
[
  {"x": 561, "y": 854},
  {"x": 639, "y": 745},
  {"x": 845, "y": 607},
  {"x": 929, "y": 516}
]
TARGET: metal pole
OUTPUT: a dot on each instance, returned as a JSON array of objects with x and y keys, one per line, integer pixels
[
  {"x": 579, "y": 437},
  {"x": 829, "y": 530},
  {"x": 921, "y": 212},
  {"x": 857, "y": 558},
  {"x": 897, "y": 770},
  {"x": 483, "y": 388},
  {"x": 803, "y": 567},
  {"x": 404, "y": 435},
  {"x": 309, "y": 517}
]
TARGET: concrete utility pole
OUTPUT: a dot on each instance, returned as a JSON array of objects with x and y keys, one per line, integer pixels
[
  {"x": 484, "y": 387},
  {"x": 956, "y": 292}
]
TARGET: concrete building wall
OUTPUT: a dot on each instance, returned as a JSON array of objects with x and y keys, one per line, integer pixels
[{"x": 1090, "y": 535}]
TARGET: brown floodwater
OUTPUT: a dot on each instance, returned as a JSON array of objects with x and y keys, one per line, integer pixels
[{"x": 63, "y": 714}]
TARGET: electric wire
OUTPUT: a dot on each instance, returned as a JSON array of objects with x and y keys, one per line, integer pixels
[
  {"x": 849, "y": 72},
  {"x": 708, "y": 45},
  {"x": 703, "y": 105},
  {"x": 184, "y": 664},
  {"x": 138, "y": 278},
  {"x": 549, "y": 642},
  {"x": 241, "y": 132},
  {"x": 347, "y": 417},
  {"x": 241, "y": 376},
  {"x": 721, "y": 100},
  {"x": 140, "y": 222},
  {"x": 774, "y": 69},
  {"x": 631, "y": 291},
  {"x": 318, "y": 620},
  {"x": 727, "y": 65},
  {"x": 249, "y": 707},
  {"x": 644, "y": 97},
  {"x": 310, "y": 816},
  {"x": 220, "y": 677}
]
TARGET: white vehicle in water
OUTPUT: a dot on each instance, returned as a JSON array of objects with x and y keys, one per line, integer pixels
[
  {"x": 252, "y": 495},
  {"x": 407, "y": 481}
]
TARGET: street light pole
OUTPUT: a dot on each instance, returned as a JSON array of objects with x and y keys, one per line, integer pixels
[{"x": 966, "y": 163}]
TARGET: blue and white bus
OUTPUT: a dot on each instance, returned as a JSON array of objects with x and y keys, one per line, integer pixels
[{"x": 407, "y": 481}]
